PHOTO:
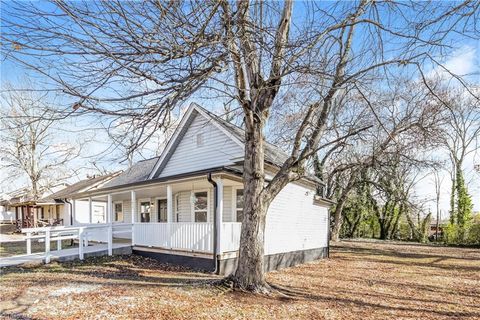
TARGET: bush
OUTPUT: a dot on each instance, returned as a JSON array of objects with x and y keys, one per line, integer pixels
[
  {"x": 474, "y": 234},
  {"x": 452, "y": 234}
]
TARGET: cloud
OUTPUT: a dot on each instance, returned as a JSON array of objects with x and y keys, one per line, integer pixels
[{"x": 462, "y": 62}]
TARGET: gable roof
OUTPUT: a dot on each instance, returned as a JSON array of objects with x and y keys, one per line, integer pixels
[
  {"x": 80, "y": 186},
  {"x": 149, "y": 169},
  {"x": 273, "y": 154}
]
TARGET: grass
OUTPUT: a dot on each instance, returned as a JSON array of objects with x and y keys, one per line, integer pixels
[{"x": 361, "y": 280}]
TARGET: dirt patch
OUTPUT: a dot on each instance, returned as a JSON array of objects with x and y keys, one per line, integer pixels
[{"x": 362, "y": 280}]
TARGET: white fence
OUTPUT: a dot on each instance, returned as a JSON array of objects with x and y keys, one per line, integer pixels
[
  {"x": 84, "y": 234},
  {"x": 188, "y": 236}
]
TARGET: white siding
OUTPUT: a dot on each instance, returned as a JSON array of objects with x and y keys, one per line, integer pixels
[
  {"x": 127, "y": 211},
  {"x": 183, "y": 207},
  {"x": 217, "y": 149},
  {"x": 294, "y": 222}
]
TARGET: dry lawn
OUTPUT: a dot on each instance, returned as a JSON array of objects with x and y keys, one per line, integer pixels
[{"x": 362, "y": 280}]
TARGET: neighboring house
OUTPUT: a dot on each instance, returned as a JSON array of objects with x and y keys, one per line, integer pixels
[
  {"x": 69, "y": 207},
  {"x": 28, "y": 212},
  {"x": 7, "y": 213},
  {"x": 186, "y": 204},
  {"x": 55, "y": 208},
  {"x": 432, "y": 231}
]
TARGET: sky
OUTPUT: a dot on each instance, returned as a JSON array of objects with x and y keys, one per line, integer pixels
[{"x": 463, "y": 61}]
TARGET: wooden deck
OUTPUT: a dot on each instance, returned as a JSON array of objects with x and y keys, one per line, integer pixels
[{"x": 66, "y": 254}]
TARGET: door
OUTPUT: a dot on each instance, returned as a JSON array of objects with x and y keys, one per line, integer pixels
[
  {"x": 162, "y": 210},
  {"x": 145, "y": 211}
]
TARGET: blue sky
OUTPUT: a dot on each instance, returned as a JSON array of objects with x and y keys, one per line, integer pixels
[{"x": 463, "y": 60}]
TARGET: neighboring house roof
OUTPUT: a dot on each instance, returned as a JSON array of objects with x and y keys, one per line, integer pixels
[
  {"x": 24, "y": 196},
  {"x": 81, "y": 186}
]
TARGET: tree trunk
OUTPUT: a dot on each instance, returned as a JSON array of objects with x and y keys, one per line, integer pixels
[
  {"x": 383, "y": 231},
  {"x": 249, "y": 274},
  {"x": 452, "y": 200},
  {"x": 338, "y": 218}
]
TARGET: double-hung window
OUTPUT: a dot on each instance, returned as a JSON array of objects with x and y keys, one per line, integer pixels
[
  {"x": 145, "y": 211},
  {"x": 200, "y": 206},
  {"x": 118, "y": 210},
  {"x": 239, "y": 204}
]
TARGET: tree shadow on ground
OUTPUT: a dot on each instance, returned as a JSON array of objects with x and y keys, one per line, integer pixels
[
  {"x": 128, "y": 269},
  {"x": 415, "y": 259},
  {"x": 294, "y": 293}
]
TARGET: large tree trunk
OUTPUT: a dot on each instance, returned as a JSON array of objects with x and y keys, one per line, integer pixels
[
  {"x": 249, "y": 274},
  {"x": 338, "y": 218}
]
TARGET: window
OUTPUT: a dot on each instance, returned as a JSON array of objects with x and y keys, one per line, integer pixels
[
  {"x": 177, "y": 207},
  {"x": 98, "y": 214},
  {"x": 162, "y": 210},
  {"x": 118, "y": 210},
  {"x": 145, "y": 211},
  {"x": 199, "y": 139},
  {"x": 200, "y": 206},
  {"x": 239, "y": 204}
]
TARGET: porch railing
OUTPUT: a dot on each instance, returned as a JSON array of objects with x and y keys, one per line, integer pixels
[
  {"x": 189, "y": 236},
  {"x": 186, "y": 236}
]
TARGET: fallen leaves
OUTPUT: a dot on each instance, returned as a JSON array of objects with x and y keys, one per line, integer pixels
[{"x": 362, "y": 280}]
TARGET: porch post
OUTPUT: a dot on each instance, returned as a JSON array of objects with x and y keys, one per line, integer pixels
[
  {"x": 90, "y": 213},
  {"x": 109, "y": 209},
  {"x": 219, "y": 213},
  {"x": 133, "y": 197}
]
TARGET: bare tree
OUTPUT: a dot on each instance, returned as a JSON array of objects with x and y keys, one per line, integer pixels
[
  {"x": 461, "y": 134},
  {"x": 28, "y": 145},
  {"x": 438, "y": 190},
  {"x": 158, "y": 54}
]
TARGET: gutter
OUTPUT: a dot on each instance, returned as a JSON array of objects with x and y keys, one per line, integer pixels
[
  {"x": 215, "y": 231},
  {"x": 71, "y": 208},
  {"x": 328, "y": 233}
]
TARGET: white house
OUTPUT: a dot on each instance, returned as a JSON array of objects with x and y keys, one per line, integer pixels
[{"x": 185, "y": 206}]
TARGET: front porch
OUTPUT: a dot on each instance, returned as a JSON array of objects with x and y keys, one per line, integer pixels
[{"x": 187, "y": 216}]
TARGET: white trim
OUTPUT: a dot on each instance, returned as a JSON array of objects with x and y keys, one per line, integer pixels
[
  {"x": 192, "y": 206},
  {"x": 193, "y": 106}
]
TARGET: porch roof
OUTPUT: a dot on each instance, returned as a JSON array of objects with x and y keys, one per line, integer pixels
[{"x": 142, "y": 183}]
